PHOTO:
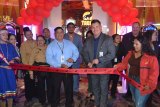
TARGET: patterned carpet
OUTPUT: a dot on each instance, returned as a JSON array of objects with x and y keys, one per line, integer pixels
[{"x": 80, "y": 100}]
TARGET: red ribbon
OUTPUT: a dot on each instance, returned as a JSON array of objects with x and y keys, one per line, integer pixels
[{"x": 76, "y": 71}]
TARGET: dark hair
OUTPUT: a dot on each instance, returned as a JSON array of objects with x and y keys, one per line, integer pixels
[
  {"x": 148, "y": 35},
  {"x": 57, "y": 28},
  {"x": 136, "y": 23},
  {"x": 114, "y": 36},
  {"x": 26, "y": 29},
  {"x": 40, "y": 36},
  {"x": 95, "y": 21},
  {"x": 90, "y": 31},
  {"x": 146, "y": 47},
  {"x": 46, "y": 29},
  {"x": 9, "y": 36},
  {"x": 70, "y": 24}
]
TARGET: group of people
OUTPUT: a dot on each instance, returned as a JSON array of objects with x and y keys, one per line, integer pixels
[{"x": 140, "y": 52}]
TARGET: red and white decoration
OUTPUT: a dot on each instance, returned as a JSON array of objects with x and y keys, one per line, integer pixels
[{"x": 121, "y": 11}]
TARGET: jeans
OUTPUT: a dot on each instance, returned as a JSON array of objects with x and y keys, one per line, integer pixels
[
  {"x": 100, "y": 89},
  {"x": 76, "y": 82},
  {"x": 139, "y": 100}
]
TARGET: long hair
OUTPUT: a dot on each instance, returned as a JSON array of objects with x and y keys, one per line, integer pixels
[
  {"x": 148, "y": 34},
  {"x": 89, "y": 32},
  {"x": 146, "y": 47}
]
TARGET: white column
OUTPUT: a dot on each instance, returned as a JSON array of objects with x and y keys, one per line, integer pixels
[
  {"x": 54, "y": 20},
  {"x": 108, "y": 26}
]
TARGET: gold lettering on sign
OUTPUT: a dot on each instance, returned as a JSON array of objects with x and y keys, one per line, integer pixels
[
  {"x": 87, "y": 17},
  {"x": 6, "y": 19}
]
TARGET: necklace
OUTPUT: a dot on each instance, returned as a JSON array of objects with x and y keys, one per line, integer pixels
[
  {"x": 61, "y": 48},
  {"x": 2, "y": 50}
]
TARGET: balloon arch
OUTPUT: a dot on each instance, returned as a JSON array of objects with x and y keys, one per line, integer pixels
[{"x": 121, "y": 11}]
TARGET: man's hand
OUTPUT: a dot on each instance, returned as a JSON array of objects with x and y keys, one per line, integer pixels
[
  {"x": 146, "y": 87},
  {"x": 64, "y": 66},
  {"x": 90, "y": 65},
  {"x": 95, "y": 61},
  {"x": 31, "y": 74},
  {"x": 70, "y": 60},
  {"x": 12, "y": 61}
]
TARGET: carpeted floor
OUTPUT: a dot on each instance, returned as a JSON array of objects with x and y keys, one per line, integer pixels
[{"x": 80, "y": 99}]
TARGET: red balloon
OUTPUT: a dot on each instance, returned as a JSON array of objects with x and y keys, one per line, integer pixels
[
  {"x": 103, "y": 1},
  {"x": 38, "y": 18},
  {"x": 130, "y": 4},
  {"x": 46, "y": 14},
  {"x": 39, "y": 11},
  {"x": 28, "y": 20},
  {"x": 59, "y": 1},
  {"x": 20, "y": 20},
  {"x": 49, "y": 0},
  {"x": 40, "y": 1},
  {"x": 116, "y": 17},
  {"x": 99, "y": 3},
  {"x": 114, "y": 1},
  {"x": 106, "y": 6},
  {"x": 35, "y": 22},
  {"x": 125, "y": 21},
  {"x": 48, "y": 6},
  {"x": 30, "y": 11},
  {"x": 122, "y": 2},
  {"x": 55, "y": 3},
  {"x": 125, "y": 10},
  {"x": 109, "y": 13},
  {"x": 115, "y": 9},
  {"x": 23, "y": 12},
  {"x": 33, "y": 3},
  {"x": 133, "y": 13}
]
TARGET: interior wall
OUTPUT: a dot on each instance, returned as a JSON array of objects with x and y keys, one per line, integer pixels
[
  {"x": 54, "y": 20},
  {"x": 108, "y": 26}
]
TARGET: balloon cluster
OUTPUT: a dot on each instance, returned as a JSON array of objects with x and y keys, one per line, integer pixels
[
  {"x": 121, "y": 11},
  {"x": 36, "y": 11}
]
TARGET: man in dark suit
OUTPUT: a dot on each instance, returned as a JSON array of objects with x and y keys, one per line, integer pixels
[
  {"x": 98, "y": 51},
  {"x": 128, "y": 38}
]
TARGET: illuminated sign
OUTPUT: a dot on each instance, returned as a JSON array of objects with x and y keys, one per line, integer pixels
[
  {"x": 87, "y": 17},
  {"x": 6, "y": 19}
]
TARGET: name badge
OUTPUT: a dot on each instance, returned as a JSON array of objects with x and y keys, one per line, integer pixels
[
  {"x": 100, "y": 54},
  {"x": 115, "y": 60},
  {"x": 62, "y": 58}
]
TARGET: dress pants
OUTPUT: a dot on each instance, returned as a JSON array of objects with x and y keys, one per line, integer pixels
[
  {"x": 68, "y": 86},
  {"x": 114, "y": 79},
  {"x": 100, "y": 89},
  {"x": 29, "y": 87}
]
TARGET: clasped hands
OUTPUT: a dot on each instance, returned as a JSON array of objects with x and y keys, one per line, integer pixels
[
  {"x": 70, "y": 60},
  {"x": 95, "y": 61}
]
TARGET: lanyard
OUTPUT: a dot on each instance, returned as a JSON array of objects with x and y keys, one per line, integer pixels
[{"x": 61, "y": 48}]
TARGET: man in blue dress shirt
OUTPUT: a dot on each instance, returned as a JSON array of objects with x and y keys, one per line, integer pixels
[
  {"x": 61, "y": 53},
  {"x": 77, "y": 40}
]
